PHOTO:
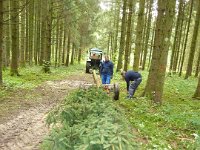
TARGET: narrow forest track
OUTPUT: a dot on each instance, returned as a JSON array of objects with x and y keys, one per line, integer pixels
[{"x": 27, "y": 128}]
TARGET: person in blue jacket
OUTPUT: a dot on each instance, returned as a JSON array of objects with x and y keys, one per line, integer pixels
[
  {"x": 136, "y": 79},
  {"x": 106, "y": 71}
]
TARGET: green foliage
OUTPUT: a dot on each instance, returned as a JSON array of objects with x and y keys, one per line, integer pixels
[
  {"x": 31, "y": 77},
  {"x": 173, "y": 125},
  {"x": 88, "y": 120}
]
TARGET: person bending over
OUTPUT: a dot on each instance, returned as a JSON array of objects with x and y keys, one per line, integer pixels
[{"x": 133, "y": 80}]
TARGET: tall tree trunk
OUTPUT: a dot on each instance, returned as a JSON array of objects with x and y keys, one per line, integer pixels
[
  {"x": 182, "y": 44},
  {"x": 108, "y": 44},
  {"x": 68, "y": 48},
  {"x": 43, "y": 31},
  {"x": 15, "y": 36},
  {"x": 177, "y": 52},
  {"x": 151, "y": 48},
  {"x": 60, "y": 42},
  {"x": 80, "y": 50},
  {"x": 22, "y": 48},
  {"x": 117, "y": 17},
  {"x": 38, "y": 36},
  {"x": 176, "y": 38},
  {"x": 111, "y": 46},
  {"x": 8, "y": 37},
  {"x": 1, "y": 39},
  {"x": 144, "y": 33},
  {"x": 193, "y": 44},
  {"x": 186, "y": 38},
  {"x": 197, "y": 65},
  {"x": 147, "y": 34},
  {"x": 49, "y": 30},
  {"x": 122, "y": 39},
  {"x": 197, "y": 92},
  {"x": 64, "y": 45},
  {"x": 31, "y": 27},
  {"x": 139, "y": 33},
  {"x": 128, "y": 35},
  {"x": 155, "y": 82},
  {"x": 72, "y": 56},
  {"x": 27, "y": 32},
  {"x": 57, "y": 42}
]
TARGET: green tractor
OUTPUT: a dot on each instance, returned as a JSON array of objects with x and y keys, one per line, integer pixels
[{"x": 94, "y": 60}]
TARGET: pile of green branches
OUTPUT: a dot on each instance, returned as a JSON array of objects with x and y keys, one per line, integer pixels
[{"x": 88, "y": 120}]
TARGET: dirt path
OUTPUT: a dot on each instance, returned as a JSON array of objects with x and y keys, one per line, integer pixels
[{"x": 26, "y": 129}]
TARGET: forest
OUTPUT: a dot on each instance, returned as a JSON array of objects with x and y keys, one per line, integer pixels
[{"x": 44, "y": 101}]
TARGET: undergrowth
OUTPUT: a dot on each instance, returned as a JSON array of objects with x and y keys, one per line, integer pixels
[
  {"x": 173, "y": 125},
  {"x": 88, "y": 120}
]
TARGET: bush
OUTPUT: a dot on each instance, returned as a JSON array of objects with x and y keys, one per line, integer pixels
[{"x": 88, "y": 120}]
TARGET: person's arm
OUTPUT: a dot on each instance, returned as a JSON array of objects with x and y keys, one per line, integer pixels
[
  {"x": 127, "y": 83},
  {"x": 101, "y": 68},
  {"x": 111, "y": 68}
]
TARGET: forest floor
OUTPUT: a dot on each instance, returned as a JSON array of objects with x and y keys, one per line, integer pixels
[
  {"x": 26, "y": 100},
  {"x": 23, "y": 112}
]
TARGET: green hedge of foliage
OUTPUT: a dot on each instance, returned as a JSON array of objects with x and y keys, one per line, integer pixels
[{"x": 88, "y": 120}]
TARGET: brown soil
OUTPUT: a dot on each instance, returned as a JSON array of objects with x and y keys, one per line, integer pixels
[{"x": 23, "y": 126}]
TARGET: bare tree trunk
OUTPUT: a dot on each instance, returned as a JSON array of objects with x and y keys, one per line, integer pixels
[
  {"x": 122, "y": 39},
  {"x": 144, "y": 33},
  {"x": 68, "y": 48},
  {"x": 31, "y": 27},
  {"x": 193, "y": 44},
  {"x": 155, "y": 83},
  {"x": 57, "y": 42},
  {"x": 108, "y": 44},
  {"x": 60, "y": 42},
  {"x": 176, "y": 44},
  {"x": 49, "y": 30},
  {"x": 151, "y": 48},
  {"x": 80, "y": 50},
  {"x": 179, "y": 38},
  {"x": 186, "y": 38},
  {"x": 64, "y": 46},
  {"x": 197, "y": 65},
  {"x": 182, "y": 45},
  {"x": 128, "y": 35},
  {"x": 38, "y": 36},
  {"x": 72, "y": 56},
  {"x": 22, "y": 48},
  {"x": 147, "y": 34},
  {"x": 117, "y": 15},
  {"x": 1, "y": 39},
  {"x": 7, "y": 36},
  {"x": 15, "y": 36},
  {"x": 111, "y": 46},
  {"x": 139, "y": 33},
  {"x": 197, "y": 92},
  {"x": 27, "y": 32}
]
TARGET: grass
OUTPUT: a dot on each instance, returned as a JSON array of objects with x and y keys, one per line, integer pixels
[
  {"x": 31, "y": 77},
  {"x": 175, "y": 124},
  {"x": 16, "y": 94}
]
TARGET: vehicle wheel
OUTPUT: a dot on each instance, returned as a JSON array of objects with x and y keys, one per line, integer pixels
[
  {"x": 116, "y": 91},
  {"x": 87, "y": 67}
]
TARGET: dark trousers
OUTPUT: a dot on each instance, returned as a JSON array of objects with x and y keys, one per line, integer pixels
[{"x": 133, "y": 86}]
